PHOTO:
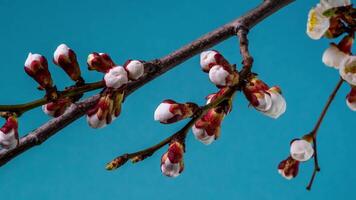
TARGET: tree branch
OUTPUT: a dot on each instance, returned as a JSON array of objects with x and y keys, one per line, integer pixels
[{"x": 153, "y": 69}]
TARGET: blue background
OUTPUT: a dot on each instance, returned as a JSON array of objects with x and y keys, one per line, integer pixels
[{"x": 240, "y": 165}]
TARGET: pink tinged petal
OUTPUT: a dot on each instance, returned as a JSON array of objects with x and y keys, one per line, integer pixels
[
  {"x": 116, "y": 77},
  {"x": 348, "y": 70},
  {"x": 218, "y": 75},
  {"x": 135, "y": 69},
  {"x": 162, "y": 113},
  {"x": 95, "y": 122},
  {"x": 334, "y": 57},
  {"x": 301, "y": 150}
]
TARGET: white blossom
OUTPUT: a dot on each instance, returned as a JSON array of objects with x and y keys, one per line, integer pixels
[{"x": 301, "y": 150}]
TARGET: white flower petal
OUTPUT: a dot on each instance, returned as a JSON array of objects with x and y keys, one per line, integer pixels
[
  {"x": 162, "y": 113},
  {"x": 30, "y": 58},
  {"x": 135, "y": 69},
  {"x": 317, "y": 24},
  {"x": 348, "y": 70},
  {"x": 116, "y": 77},
  {"x": 218, "y": 75},
  {"x": 170, "y": 169},
  {"x": 207, "y": 58},
  {"x": 333, "y": 57},
  {"x": 301, "y": 150},
  {"x": 278, "y": 107},
  {"x": 62, "y": 49},
  {"x": 94, "y": 122}
]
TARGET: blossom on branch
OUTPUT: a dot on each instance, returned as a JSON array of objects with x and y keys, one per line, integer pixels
[
  {"x": 170, "y": 111},
  {"x": 172, "y": 164},
  {"x": 267, "y": 100},
  {"x": 323, "y": 23},
  {"x": 223, "y": 76},
  {"x": 9, "y": 136},
  {"x": 348, "y": 70},
  {"x": 66, "y": 58},
  {"x": 36, "y": 66},
  {"x": 336, "y": 54},
  {"x": 301, "y": 150}
]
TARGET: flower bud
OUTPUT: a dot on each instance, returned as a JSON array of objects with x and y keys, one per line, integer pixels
[
  {"x": 223, "y": 76},
  {"x": 301, "y": 150},
  {"x": 279, "y": 104},
  {"x": 66, "y": 58},
  {"x": 106, "y": 110},
  {"x": 9, "y": 136},
  {"x": 207, "y": 129},
  {"x": 172, "y": 163},
  {"x": 170, "y": 111},
  {"x": 288, "y": 168},
  {"x": 116, "y": 77},
  {"x": 333, "y": 56},
  {"x": 348, "y": 70},
  {"x": 210, "y": 58},
  {"x": 36, "y": 66},
  {"x": 57, "y": 108},
  {"x": 269, "y": 101},
  {"x": 100, "y": 62},
  {"x": 226, "y": 105},
  {"x": 351, "y": 99},
  {"x": 134, "y": 68}
]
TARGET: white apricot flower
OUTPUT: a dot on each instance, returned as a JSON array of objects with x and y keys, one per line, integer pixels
[
  {"x": 301, "y": 150},
  {"x": 116, "y": 77}
]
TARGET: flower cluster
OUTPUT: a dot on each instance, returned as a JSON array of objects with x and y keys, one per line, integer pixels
[
  {"x": 267, "y": 100},
  {"x": 331, "y": 19},
  {"x": 207, "y": 120},
  {"x": 221, "y": 73},
  {"x": 301, "y": 150},
  {"x": 115, "y": 76},
  {"x": 9, "y": 137}
]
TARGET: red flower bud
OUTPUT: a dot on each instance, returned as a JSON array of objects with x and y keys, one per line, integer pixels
[
  {"x": 57, "y": 108},
  {"x": 36, "y": 66},
  {"x": 170, "y": 111},
  {"x": 100, "y": 62},
  {"x": 172, "y": 163},
  {"x": 9, "y": 136},
  {"x": 66, "y": 58},
  {"x": 288, "y": 168}
]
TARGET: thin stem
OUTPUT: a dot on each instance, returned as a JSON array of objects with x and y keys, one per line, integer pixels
[
  {"x": 314, "y": 132},
  {"x": 326, "y": 107},
  {"x": 19, "y": 109}
]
